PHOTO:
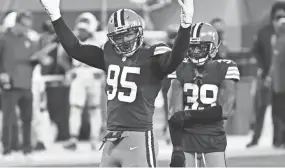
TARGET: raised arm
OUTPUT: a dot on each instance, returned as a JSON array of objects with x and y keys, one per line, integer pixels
[
  {"x": 88, "y": 54},
  {"x": 181, "y": 43}
]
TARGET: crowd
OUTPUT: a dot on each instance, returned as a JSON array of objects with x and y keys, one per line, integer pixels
[{"x": 40, "y": 83}]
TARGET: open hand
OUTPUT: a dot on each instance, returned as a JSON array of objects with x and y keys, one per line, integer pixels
[
  {"x": 187, "y": 12},
  {"x": 52, "y": 8}
]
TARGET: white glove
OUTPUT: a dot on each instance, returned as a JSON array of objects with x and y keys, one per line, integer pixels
[
  {"x": 187, "y": 12},
  {"x": 52, "y": 8}
]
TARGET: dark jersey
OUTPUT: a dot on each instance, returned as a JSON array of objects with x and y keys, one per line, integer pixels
[
  {"x": 132, "y": 86},
  {"x": 132, "y": 83},
  {"x": 200, "y": 90}
]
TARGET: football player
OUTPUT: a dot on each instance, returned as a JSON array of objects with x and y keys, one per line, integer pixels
[
  {"x": 202, "y": 96},
  {"x": 86, "y": 86},
  {"x": 134, "y": 78}
]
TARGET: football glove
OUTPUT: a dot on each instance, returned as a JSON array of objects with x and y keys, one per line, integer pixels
[
  {"x": 177, "y": 158},
  {"x": 177, "y": 120},
  {"x": 187, "y": 12},
  {"x": 52, "y": 8}
]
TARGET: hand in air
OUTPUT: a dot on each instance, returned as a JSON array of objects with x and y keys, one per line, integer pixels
[
  {"x": 52, "y": 8},
  {"x": 187, "y": 12}
]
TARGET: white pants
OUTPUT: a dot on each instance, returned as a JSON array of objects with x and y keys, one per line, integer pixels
[
  {"x": 41, "y": 124},
  {"x": 86, "y": 90}
]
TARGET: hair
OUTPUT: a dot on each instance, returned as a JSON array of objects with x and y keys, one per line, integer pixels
[
  {"x": 22, "y": 15},
  {"x": 277, "y": 6},
  {"x": 215, "y": 20}
]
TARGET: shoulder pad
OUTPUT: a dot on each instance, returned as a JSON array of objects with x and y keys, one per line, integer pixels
[
  {"x": 160, "y": 48},
  {"x": 232, "y": 71}
]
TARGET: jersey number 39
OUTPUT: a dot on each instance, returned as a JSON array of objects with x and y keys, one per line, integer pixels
[
  {"x": 114, "y": 73},
  {"x": 199, "y": 94}
]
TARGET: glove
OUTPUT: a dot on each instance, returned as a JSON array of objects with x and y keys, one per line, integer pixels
[
  {"x": 177, "y": 120},
  {"x": 187, "y": 12},
  {"x": 177, "y": 158},
  {"x": 52, "y": 8}
]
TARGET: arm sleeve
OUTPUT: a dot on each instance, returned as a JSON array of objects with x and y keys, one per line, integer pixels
[
  {"x": 88, "y": 54},
  {"x": 179, "y": 51},
  {"x": 207, "y": 115}
]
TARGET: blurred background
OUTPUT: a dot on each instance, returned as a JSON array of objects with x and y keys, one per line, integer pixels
[{"x": 256, "y": 135}]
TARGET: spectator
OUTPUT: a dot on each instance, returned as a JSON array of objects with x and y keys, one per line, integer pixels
[
  {"x": 9, "y": 21},
  {"x": 17, "y": 46},
  {"x": 86, "y": 86},
  {"x": 53, "y": 70},
  {"x": 276, "y": 78},
  {"x": 262, "y": 49},
  {"x": 219, "y": 25}
]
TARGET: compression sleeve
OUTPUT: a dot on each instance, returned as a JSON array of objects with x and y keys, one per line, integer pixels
[
  {"x": 209, "y": 114},
  {"x": 179, "y": 50},
  {"x": 88, "y": 54}
]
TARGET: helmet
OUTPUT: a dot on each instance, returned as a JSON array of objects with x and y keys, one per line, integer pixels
[
  {"x": 203, "y": 43},
  {"x": 125, "y": 31},
  {"x": 87, "y": 21}
]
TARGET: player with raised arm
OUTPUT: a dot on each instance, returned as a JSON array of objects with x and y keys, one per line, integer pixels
[
  {"x": 134, "y": 78},
  {"x": 201, "y": 97}
]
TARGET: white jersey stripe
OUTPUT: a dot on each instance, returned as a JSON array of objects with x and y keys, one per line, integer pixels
[
  {"x": 232, "y": 73},
  {"x": 161, "y": 49},
  {"x": 237, "y": 77},
  {"x": 172, "y": 75}
]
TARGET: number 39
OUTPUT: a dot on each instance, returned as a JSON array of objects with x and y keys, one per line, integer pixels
[
  {"x": 200, "y": 93},
  {"x": 115, "y": 81}
]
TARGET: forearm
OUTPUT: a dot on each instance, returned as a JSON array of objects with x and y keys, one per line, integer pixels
[
  {"x": 228, "y": 107},
  {"x": 227, "y": 97},
  {"x": 211, "y": 114},
  {"x": 208, "y": 114},
  {"x": 179, "y": 50},
  {"x": 87, "y": 54},
  {"x": 68, "y": 40}
]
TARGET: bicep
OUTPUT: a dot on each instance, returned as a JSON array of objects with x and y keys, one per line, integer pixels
[
  {"x": 90, "y": 55},
  {"x": 227, "y": 96},
  {"x": 175, "y": 97}
]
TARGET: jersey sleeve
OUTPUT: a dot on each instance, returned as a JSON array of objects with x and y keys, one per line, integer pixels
[
  {"x": 231, "y": 70},
  {"x": 170, "y": 59},
  {"x": 88, "y": 54}
]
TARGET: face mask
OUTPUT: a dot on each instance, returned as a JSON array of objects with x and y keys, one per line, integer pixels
[{"x": 221, "y": 35}]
